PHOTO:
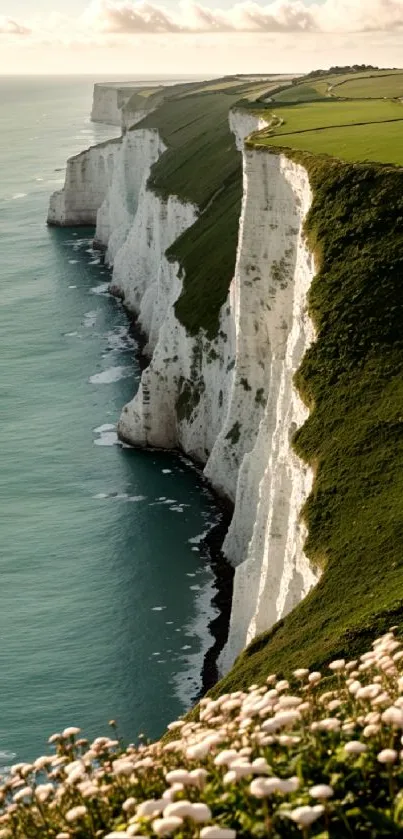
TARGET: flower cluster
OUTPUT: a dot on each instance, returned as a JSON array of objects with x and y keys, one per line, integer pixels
[{"x": 318, "y": 755}]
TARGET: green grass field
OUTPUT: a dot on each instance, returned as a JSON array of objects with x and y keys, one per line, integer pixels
[
  {"x": 381, "y": 85},
  {"x": 351, "y": 131},
  {"x": 369, "y": 83},
  {"x": 380, "y": 142},
  {"x": 308, "y": 116},
  {"x": 299, "y": 93}
]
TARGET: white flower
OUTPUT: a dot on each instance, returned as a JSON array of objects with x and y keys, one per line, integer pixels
[
  {"x": 314, "y": 677},
  {"x": 229, "y": 777},
  {"x": 334, "y": 704},
  {"x": 339, "y": 664},
  {"x": 183, "y": 809},
  {"x": 54, "y": 738},
  {"x": 328, "y": 724},
  {"x": 370, "y": 730},
  {"x": 387, "y": 756},
  {"x": 289, "y": 701},
  {"x": 263, "y": 787},
  {"x": 225, "y": 757},
  {"x": 321, "y": 791},
  {"x": 285, "y": 719},
  {"x": 43, "y": 791},
  {"x": 76, "y": 813},
  {"x": 21, "y": 769},
  {"x": 304, "y": 816},
  {"x": 198, "y": 777},
  {"x": 115, "y": 835},
  {"x": 129, "y": 805},
  {"x": 241, "y": 768},
  {"x": 382, "y": 699},
  {"x": 26, "y": 792},
  {"x": 289, "y": 784},
  {"x": 71, "y": 732},
  {"x": 301, "y": 673},
  {"x": 216, "y": 832},
  {"x": 166, "y": 826},
  {"x": 368, "y": 692},
  {"x": 199, "y": 751},
  {"x": 152, "y": 807},
  {"x": 200, "y": 812},
  {"x": 75, "y": 775},
  {"x": 354, "y": 687},
  {"x": 41, "y": 762},
  {"x": 354, "y": 747},
  {"x": 260, "y": 765},
  {"x": 393, "y": 716},
  {"x": 122, "y": 767},
  {"x": 175, "y": 724},
  {"x": 88, "y": 789},
  {"x": 398, "y": 656},
  {"x": 177, "y": 776}
]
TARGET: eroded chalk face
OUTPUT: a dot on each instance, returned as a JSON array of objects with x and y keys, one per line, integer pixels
[{"x": 228, "y": 402}]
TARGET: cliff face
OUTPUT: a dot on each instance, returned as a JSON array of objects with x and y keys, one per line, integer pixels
[
  {"x": 230, "y": 401},
  {"x": 108, "y": 101}
]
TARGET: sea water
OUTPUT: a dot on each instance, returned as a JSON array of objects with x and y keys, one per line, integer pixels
[{"x": 105, "y": 588}]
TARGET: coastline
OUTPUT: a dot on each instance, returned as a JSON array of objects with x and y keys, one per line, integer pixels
[{"x": 218, "y": 626}]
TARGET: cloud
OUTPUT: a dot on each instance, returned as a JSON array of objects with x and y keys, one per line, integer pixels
[
  {"x": 124, "y": 19},
  {"x": 127, "y": 17},
  {"x": 11, "y": 27},
  {"x": 280, "y": 16}
]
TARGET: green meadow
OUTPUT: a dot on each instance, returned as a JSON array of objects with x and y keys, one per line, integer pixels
[
  {"x": 371, "y": 87},
  {"x": 359, "y": 130}
]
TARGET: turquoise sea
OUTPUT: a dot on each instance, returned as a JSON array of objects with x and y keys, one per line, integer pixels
[{"x": 105, "y": 589}]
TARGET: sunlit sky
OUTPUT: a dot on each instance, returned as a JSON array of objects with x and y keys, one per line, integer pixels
[{"x": 208, "y": 36}]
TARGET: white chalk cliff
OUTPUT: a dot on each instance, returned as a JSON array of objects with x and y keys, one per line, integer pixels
[
  {"x": 108, "y": 101},
  {"x": 228, "y": 402}
]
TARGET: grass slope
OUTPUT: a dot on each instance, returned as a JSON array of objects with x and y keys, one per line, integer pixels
[
  {"x": 298, "y": 93},
  {"x": 203, "y": 166},
  {"x": 352, "y": 379}
]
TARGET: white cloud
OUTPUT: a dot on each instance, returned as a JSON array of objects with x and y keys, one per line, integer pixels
[
  {"x": 280, "y": 16},
  {"x": 125, "y": 16},
  {"x": 11, "y": 27},
  {"x": 125, "y": 19}
]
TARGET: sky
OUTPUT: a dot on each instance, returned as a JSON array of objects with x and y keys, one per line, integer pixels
[{"x": 211, "y": 37}]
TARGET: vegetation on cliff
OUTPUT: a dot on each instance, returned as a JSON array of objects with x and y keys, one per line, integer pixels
[
  {"x": 314, "y": 756},
  {"x": 202, "y": 166}
]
